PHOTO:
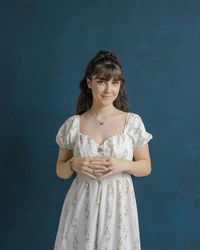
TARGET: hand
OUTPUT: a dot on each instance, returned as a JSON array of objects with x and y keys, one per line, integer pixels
[
  {"x": 115, "y": 165},
  {"x": 83, "y": 165}
]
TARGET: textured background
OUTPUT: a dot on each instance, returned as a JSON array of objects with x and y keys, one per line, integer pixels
[{"x": 45, "y": 47}]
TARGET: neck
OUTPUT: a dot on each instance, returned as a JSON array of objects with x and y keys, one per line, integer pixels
[{"x": 101, "y": 112}]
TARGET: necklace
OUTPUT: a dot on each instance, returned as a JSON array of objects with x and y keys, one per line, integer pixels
[{"x": 102, "y": 122}]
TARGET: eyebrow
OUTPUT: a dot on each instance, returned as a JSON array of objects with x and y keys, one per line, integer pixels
[
  {"x": 99, "y": 78},
  {"x": 115, "y": 80}
]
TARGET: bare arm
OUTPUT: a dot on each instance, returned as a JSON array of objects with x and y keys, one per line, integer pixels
[
  {"x": 63, "y": 169},
  {"x": 142, "y": 164}
]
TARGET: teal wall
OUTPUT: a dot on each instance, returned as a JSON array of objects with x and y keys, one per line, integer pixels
[{"x": 45, "y": 47}]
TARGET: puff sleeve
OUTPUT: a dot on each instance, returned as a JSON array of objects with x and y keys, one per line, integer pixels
[
  {"x": 66, "y": 135},
  {"x": 138, "y": 132}
]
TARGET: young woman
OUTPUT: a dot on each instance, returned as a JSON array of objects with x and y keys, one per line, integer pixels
[{"x": 98, "y": 143}]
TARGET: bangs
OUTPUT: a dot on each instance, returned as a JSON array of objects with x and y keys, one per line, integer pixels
[{"x": 107, "y": 71}]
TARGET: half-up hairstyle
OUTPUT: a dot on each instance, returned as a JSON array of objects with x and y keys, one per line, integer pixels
[{"x": 105, "y": 65}]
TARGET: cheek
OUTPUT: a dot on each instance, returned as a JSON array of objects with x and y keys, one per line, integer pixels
[
  {"x": 117, "y": 88},
  {"x": 98, "y": 90}
]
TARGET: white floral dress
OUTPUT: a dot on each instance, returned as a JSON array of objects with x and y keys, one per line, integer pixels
[{"x": 100, "y": 214}]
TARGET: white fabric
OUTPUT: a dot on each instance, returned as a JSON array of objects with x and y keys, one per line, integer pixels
[{"x": 100, "y": 214}]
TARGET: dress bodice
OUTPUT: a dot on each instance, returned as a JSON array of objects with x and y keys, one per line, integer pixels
[{"x": 120, "y": 146}]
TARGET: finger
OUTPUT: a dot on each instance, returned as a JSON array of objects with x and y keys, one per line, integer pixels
[
  {"x": 106, "y": 175},
  {"x": 99, "y": 162},
  {"x": 98, "y": 171},
  {"x": 99, "y": 158},
  {"x": 88, "y": 170},
  {"x": 96, "y": 158},
  {"x": 106, "y": 163},
  {"x": 101, "y": 167},
  {"x": 89, "y": 175},
  {"x": 98, "y": 174},
  {"x": 101, "y": 170}
]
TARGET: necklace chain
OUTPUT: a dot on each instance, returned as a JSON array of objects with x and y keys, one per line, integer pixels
[{"x": 102, "y": 122}]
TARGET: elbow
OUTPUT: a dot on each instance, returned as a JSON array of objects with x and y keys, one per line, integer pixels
[
  {"x": 57, "y": 171},
  {"x": 62, "y": 175},
  {"x": 57, "y": 174},
  {"x": 148, "y": 172}
]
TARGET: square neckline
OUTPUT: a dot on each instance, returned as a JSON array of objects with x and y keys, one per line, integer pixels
[{"x": 109, "y": 138}]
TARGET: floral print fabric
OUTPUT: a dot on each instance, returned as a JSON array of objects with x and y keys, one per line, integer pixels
[{"x": 100, "y": 214}]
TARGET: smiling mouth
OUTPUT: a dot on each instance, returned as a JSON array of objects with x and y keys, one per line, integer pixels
[{"x": 105, "y": 96}]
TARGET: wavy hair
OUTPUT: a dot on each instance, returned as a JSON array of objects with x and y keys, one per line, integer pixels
[{"x": 105, "y": 64}]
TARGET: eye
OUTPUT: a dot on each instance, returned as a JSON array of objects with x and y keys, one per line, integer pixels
[{"x": 114, "y": 82}]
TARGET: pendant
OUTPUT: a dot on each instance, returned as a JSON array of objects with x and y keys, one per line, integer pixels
[
  {"x": 99, "y": 149},
  {"x": 101, "y": 123}
]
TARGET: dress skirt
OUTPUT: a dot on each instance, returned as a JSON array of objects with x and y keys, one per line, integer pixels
[{"x": 99, "y": 214}]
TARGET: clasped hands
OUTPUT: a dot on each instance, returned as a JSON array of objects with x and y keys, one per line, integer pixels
[{"x": 102, "y": 166}]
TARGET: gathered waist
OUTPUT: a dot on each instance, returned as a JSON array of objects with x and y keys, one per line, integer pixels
[{"x": 117, "y": 176}]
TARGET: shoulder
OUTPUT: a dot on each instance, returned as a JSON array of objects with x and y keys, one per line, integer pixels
[
  {"x": 134, "y": 115},
  {"x": 137, "y": 130},
  {"x": 135, "y": 122},
  {"x": 70, "y": 123},
  {"x": 123, "y": 114},
  {"x": 72, "y": 119},
  {"x": 134, "y": 119},
  {"x": 131, "y": 118},
  {"x": 67, "y": 132}
]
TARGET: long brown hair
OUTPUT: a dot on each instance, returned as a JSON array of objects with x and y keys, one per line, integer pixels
[{"x": 105, "y": 64}]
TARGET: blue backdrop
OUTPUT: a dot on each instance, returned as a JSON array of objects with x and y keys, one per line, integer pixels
[{"x": 45, "y": 47}]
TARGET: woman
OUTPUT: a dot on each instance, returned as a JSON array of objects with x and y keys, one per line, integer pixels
[{"x": 98, "y": 143}]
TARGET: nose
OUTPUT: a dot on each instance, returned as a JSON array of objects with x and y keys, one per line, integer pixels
[{"x": 108, "y": 88}]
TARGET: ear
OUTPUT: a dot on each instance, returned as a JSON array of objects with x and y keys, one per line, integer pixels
[{"x": 88, "y": 83}]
